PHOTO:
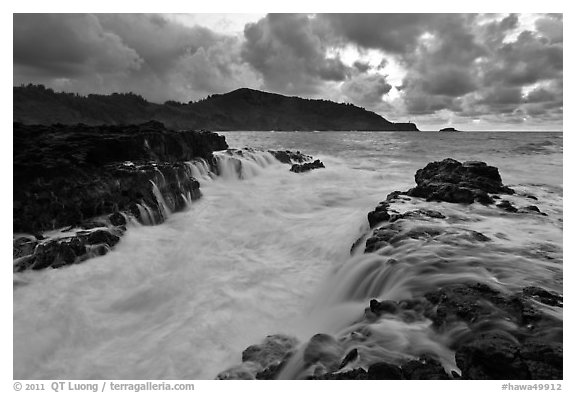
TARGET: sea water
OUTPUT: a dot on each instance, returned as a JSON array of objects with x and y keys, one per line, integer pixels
[{"x": 268, "y": 251}]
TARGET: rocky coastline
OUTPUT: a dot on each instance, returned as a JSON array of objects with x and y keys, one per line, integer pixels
[
  {"x": 494, "y": 334},
  {"x": 77, "y": 186}
]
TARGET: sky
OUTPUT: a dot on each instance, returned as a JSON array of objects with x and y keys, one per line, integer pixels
[{"x": 469, "y": 71}]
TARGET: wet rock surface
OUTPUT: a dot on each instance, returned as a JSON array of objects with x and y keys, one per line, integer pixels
[
  {"x": 502, "y": 335},
  {"x": 307, "y": 166},
  {"x": 452, "y": 181},
  {"x": 264, "y": 360},
  {"x": 68, "y": 250},
  {"x": 64, "y": 175},
  {"x": 85, "y": 177},
  {"x": 424, "y": 368},
  {"x": 289, "y": 157},
  {"x": 528, "y": 345}
]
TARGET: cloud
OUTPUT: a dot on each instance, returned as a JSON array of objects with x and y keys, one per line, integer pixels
[
  {"x": 550, "y": 26},
  {"x": 69, "y": 45},
  {"x": 393, "y": 33},
  {"x": 146, "y": 54},
  {"x": 157, "y": 40},
  {"x": 290, "y": 53},
  {"x": 527, "y": 60},
  {"x": 366, "y": 90},
  {"x": 432, "y": 66}
]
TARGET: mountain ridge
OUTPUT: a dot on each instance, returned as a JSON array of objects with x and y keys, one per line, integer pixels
[{"x": 240, "y": 109}]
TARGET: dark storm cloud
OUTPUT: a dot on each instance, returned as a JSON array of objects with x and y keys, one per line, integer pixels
[
  {"x": 394, "y": 33},
  {"x": 501, "y": 98},
  {"x": 452, "y": 82},
  {"x": 543, "y": 95},
  {"x": 157, "y": 40},
  {"x": 289, "y": 50},
  {"x": 146, "y": 54},
  {"x": 527, "y": 60},
  {"x": 69, "y": 45}
]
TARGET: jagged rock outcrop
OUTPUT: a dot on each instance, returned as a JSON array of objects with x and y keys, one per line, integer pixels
[
  {"x": 264, "y": 360},
  {"x": 527, "y": 346},
  {"x": 69, "y": 249},
  {"x": 75, "y": 176},
  {"x": 452, "y": 181},
  {"x": 307, "y": 166},
  {"x": 64, "y": 175},
  {"x": 289, "y": 157}
]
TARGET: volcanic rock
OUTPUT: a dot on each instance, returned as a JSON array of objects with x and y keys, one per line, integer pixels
[
  {"x": 289, "y": 157},
  {"x": 307, "y": 166},
  {"x": 455, "y": 182}
]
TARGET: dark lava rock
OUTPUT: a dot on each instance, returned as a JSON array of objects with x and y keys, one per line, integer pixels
[
  {"x": 86, "y": 177},
  {"x": 394, "y": 195},
  {"x": 417, "y": 224},
  {"x": 409, "y": 310},
  {"x": 325, "y": 350},
  {"x": 22, "y": 246},
  {"x": 273, "y": 350},
  {"x": 543, "y": 359},
  {"x": 102, "y": 236},
  {"x": 506, "y": 205},
  {"x": 356, "y": 374},
  {"x": 491, "y": 355},
  {"x": 289, "y": 157},
  {"x": 495, "y": 355},
  {"x": 508, "y": 337},
  {"x": 418, "y": 214},
  {"x": 64, "y": 175},
  {"x": 543, "y": 296},
  {"x": 477, "y": 302},
  {"x": 264, "y": 360},
  {"x": 307, "y": 166},
  {"x": 386, "y": 306},
  {"x": 271, "y": 372},
  {"x": 531, "y": 209},
  {"x": 73, "y": 199},
  {"x": 68, "y": 250},
  {"x": 379, "y": 214},
  {"x": 425, "y": 368},
  {"x": 394, "y": 233},
  {"x": 452, "y": 181},
  {"x": 350, "y": 357},
  {"x": 117, "y": 219},
  {"x": 383, "y": 371}
]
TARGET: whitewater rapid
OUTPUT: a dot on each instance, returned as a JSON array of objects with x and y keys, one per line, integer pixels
[
  {"x": 264, "y": 251},
  {"x": 183, "y": 299}
]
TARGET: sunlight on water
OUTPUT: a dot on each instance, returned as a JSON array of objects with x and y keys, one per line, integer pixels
[{"x": 267, "y": 251}]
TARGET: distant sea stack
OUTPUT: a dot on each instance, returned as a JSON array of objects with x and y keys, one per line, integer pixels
[
  {"x": 449, "y": 129},
  {"x": 242, "y": 109}
]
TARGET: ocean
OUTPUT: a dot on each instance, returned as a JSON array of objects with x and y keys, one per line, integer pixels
[{"x": 268, "y": 251}]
